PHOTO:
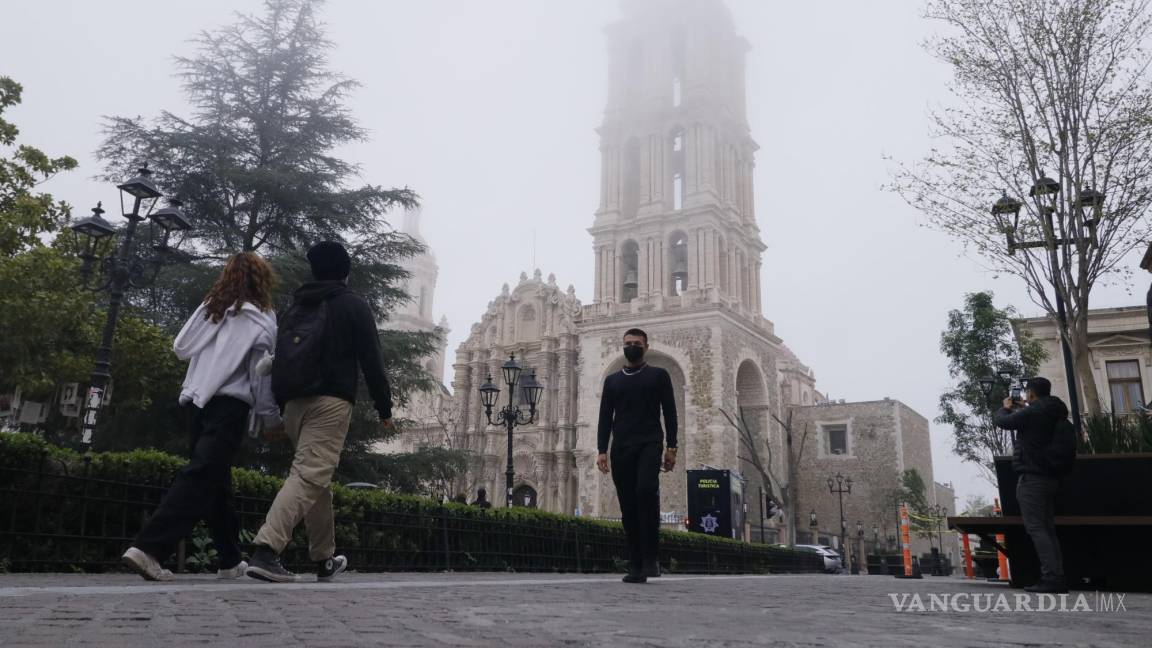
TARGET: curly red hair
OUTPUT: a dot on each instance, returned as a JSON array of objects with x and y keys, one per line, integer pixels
[{"x": 247, "y": 277}]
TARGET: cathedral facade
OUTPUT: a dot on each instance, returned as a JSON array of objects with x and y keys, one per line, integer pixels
[{"x": 677, "y": 254}]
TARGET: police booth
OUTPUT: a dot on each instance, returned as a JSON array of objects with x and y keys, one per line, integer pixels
[{"x": 716, "y": 503}]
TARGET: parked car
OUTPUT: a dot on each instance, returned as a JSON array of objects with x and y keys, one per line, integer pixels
[{"x": 832, "y": 561}]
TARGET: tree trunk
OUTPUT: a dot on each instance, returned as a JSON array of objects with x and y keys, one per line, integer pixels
[{"x": 1090, "y": 403}]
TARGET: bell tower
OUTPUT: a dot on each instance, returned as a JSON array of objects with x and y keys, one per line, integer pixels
[
  {"x": 676, "y": 244},
  {"x": 676, "y": 222}
]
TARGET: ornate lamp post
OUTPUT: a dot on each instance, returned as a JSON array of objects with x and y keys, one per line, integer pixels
[
  {"x": 838, "y": 485},
  {"x": 1045, "y": 191},
  {"x": 123, "y": 270},
  {"x": 511, "y": 416},
  {"x": 814, "y": 525}
]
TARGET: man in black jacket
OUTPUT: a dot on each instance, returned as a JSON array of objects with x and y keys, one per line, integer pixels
[
  {"x": 630, "y": 407},
  {"x": 1035, "y": 425},
  {"x": 316, "y": 417}
]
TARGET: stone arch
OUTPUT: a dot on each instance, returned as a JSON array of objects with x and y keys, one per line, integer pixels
[
  {"x": 524, "y": 495},
  {"x": 753, "y": 403}
]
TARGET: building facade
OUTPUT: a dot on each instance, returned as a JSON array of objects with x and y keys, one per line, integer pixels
[
  {"x": 1119, "y": 351},
  {"x": 677, "y": 254}
]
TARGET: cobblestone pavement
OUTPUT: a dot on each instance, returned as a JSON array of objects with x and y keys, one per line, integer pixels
[{"x": 546, "y": 610}]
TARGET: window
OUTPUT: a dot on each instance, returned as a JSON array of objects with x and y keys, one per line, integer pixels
[
  {"x": 676, "y": 92},
  {"x": 836, "y": 439},
  {"x": 1124, "y": 383},
  {"x": 678, "y": 191},
  {"x": 678, "y": 141}
]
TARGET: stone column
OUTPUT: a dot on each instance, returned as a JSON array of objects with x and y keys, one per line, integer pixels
[
  {"x": 597, "y": 292},
  {"x": 693, "y": 240},
  {"x": 642, "y": 268}
]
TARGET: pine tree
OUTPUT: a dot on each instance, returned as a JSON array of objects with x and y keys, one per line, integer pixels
[{"x": 255, "y": 167}]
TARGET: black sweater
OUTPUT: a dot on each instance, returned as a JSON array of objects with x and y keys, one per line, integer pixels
[
  {"x": 630, "y": 409},
  {"x": 353, "y": 345}
]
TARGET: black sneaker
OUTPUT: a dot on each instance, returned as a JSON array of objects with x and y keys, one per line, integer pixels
[
  {"x": 651, "y": 569},
  {"x": 1048, "y": 586},
  {"x": 635, "y": 577},
  {"x": 326, "y": 570},
  {"x": 265, "y": 565}
]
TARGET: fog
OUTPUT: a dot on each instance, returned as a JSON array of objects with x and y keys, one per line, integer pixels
[{"x": 488, "y": 110}]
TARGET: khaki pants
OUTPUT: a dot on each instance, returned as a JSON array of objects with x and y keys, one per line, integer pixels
[{"x": 317, "y": 426}]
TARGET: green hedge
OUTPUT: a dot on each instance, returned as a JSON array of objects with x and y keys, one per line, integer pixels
[{"x": 76, "y": 494}]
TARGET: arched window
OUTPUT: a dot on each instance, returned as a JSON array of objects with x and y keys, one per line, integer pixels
[
  {"x": 678, "y": 253},
  {"x": 630, "y": 259},
  {"x": 676, "y": 92},
  {"x": 677, "y": 191}
]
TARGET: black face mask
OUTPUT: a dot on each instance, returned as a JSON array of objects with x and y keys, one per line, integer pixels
[{"x": 633, "y": 353}]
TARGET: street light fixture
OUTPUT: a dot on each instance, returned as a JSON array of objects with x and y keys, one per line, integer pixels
[
  {"x": 838, "y": 485},
  {"x": 511, "y": 415},
  {"x": 1045, "y": 191},
  {"x": 121, "y": 271}
]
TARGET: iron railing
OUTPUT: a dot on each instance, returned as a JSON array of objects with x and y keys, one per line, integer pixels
[{"x": 54, "y": 520}]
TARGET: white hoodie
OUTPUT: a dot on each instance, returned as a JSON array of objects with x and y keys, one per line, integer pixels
[{"x": 223, "y": 357}]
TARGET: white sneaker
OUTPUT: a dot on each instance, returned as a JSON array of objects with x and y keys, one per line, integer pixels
[
  {"x": 145, "y": 565},
  {"x": 239, "y": 570}
]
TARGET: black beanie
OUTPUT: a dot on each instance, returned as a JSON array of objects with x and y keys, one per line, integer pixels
[{"x": 330, "y": 261}]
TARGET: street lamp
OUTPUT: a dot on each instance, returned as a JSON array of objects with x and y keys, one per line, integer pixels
[
  {"x": 859, "y": 547},
  {"x": 511, "y": 415},
  {"x": 838, "y": 485},
  {"x": 121, "y": 271},
  {"x": 1045, "y": 192}
]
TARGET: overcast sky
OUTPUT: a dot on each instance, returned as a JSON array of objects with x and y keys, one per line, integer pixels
[{"x": 487, "y": 109}]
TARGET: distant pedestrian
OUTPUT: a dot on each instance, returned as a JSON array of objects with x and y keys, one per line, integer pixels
[
  {"x": 482, "y": 499},
  {"x": 223, "y": 341},
  {"x": 327, "y": 337},
  {"x": 630, "y": 408},
  {"x": 1038, "y": 425}
]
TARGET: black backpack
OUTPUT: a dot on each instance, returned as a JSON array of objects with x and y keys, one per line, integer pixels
[
  {"x": 300, "y": 349},
  {"x": 1061, "y": 451}
]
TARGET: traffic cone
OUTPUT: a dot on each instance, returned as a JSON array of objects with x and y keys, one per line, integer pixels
[
  {"x": 906, "y": 544},
  {"x": 968, "y": 572},
  {"x": 1005, "y": 575}
]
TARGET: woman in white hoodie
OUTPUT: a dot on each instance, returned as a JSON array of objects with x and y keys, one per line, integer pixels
[{"x": 227, "y": 394}]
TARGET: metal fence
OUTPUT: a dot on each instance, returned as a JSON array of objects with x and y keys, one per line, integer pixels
[{"x": 51, "y": 520}]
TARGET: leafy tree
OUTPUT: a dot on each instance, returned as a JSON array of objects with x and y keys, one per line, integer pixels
[
  {"x": 977, "y": 506},
  {"x": 977, "y": 342},
  {"x": 256, "y": 166},
  {"x": 25, "y": 215},
  {"x": 1043, "y": 87},
  {"x": 913, "y": 493},
  {"x": 51, "y": 325}
]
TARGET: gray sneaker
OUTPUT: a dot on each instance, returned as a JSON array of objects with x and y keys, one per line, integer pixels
[{"x": 147, "y": 566}]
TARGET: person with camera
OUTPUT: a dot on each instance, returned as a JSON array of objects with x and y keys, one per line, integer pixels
[
  {"x": 630, "y": 407},
  {"x": 1039, "y": 422}
]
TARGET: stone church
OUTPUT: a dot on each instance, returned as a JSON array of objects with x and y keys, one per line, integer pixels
[{"x": 677, "y": 253}]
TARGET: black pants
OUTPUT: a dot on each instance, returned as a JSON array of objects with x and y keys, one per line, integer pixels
[
  {"x": 1037, "y": 497},
  {"x": 202, "y": 490},
  {"x": 636, "y": 473}
]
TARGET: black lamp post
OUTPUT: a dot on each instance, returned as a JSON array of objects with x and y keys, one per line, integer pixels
[
  {"x": 511, "y": 415},
  {"x": 123, "y": 270},
  {"x": 1045, "y": 192},
  {"x": 939, "y": 512},
  {"x": 814, "y": 526},
  {"x": 838, "y": 485}
]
